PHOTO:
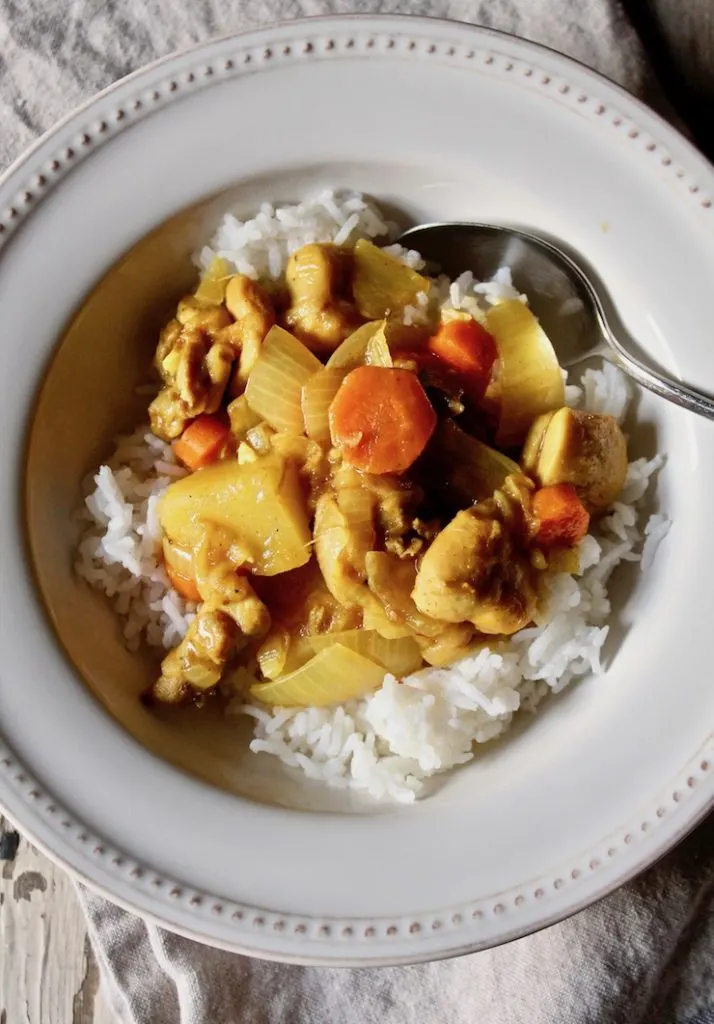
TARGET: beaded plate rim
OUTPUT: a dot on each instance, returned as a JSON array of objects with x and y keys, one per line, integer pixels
[{"x": 244, "y": 928}]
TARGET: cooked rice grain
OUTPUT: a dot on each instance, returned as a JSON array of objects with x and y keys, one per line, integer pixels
[{"x": 388, "y": 744}]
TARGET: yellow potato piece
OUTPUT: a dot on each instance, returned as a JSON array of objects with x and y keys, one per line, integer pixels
[
  {"x": 382, "y": 284},
  {"x": 259, "y": 503},
  {"x": 563, "y": 559},
  {"x": 212, "y": 288},
  {"x": 333, "y": 676},
  {"x": 242, "y": 417}
]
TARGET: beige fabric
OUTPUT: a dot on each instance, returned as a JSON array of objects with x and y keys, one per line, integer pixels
[{"x": 645, "y": 954}]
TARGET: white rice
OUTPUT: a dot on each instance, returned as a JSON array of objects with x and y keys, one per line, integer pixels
[
  {"x": 389, "y": 743},
  {"x": 260, "y": 247},
  {"x": 120, "y": 549}
]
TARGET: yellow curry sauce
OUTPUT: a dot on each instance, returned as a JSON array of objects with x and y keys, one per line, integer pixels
[{"x": 376, "y": 482}]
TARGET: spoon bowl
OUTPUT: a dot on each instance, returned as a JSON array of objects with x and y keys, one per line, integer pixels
[{"x": 568, "y": 303}]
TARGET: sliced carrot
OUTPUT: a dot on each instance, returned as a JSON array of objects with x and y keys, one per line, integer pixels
[
  {"x": 562, "y": 517},
  {"x": 202, "y": 442},
  {"x": 468, "y": 348},
  {"x": 381, "y": 419},
  {"x": 184, "y": 584}
]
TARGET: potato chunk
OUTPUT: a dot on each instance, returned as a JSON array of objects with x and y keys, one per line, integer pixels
[
  {"x": 585, "y": 449},
  {"x": 259, "y": 503},
  {"x": 382, "y": 284}
]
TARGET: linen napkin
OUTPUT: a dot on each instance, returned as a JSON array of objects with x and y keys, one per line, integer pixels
[
  {"x": 646, "y": 953},
  {"x": 643, "y": 955}
]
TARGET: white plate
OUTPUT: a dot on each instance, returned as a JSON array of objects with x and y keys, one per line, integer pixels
[{"x": 443, "y": 121}]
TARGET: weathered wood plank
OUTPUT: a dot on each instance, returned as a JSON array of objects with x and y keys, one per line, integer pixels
[{"x": 47, "y": 972}]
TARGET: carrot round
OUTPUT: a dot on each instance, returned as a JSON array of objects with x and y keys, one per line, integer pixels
[
  {"x": 468, "y": 348},
  {"x": 562, "y": 517},
  {"x": 201, "y": 442},
  {"x": 184, "y": 584},
  {"x": 381, "y": 419}
]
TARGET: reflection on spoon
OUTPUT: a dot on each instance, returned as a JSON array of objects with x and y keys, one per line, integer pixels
[{"x": 569, "y": 305}]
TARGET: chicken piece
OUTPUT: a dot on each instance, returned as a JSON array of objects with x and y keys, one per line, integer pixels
[
  {"x": 196, "y": 370},
  {"x": 168, "y": 340},
  {"x": 197, "y": 662},
  {"x": 585, "y": 449},
  {"x": 512, "y": 504},
  {"x": 300, "y": 606},
  {"x": 474, "y": 573},
  {"x": 254, "y": 315},
  {"x": 392, "y": 581},
  {"x": 230, "y": 590},
  {"x": 321, "y": 312},
  {"x": 309, "y": 457},
  {"x": 231, "y": 613},
  {"x": 168, "y": 414},
  {"x": 202, "y": 371},
  {"x": 454, "y": 642},
  {"x": 191, "y": 312},
  {"x": 194, "y": 365},
  {"x": 396, "y": 507},
  {"x": 394, "y": 503},
  {"x": 341, "y": 546},
  {"x": 344, "y": 538}
]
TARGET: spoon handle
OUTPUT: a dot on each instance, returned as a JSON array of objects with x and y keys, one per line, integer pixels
[{"x": 665, "y": 387}]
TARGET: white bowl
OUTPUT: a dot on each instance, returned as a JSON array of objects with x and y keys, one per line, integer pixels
[{"x": 169, "y": 814}]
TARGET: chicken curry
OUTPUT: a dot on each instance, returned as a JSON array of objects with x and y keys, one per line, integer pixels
[{"x": 376, "y": 482}]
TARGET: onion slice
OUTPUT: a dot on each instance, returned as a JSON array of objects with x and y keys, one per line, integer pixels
[
  {"x": 335, "y": 675},
  {"x": 317, "y": 394},
  {"x": 529, "y": 379},
  {"x": 400, "y": 657},
  {"x": 274, "y": 389}
]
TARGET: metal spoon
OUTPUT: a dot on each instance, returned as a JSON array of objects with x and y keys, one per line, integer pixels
[{"x": 570, "y": 305}]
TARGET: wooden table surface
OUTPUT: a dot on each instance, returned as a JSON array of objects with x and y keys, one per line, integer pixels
[{"x": 48, "y": 974}]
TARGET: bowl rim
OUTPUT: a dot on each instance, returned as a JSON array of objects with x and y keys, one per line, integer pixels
[{"x": 78, "y": 861}]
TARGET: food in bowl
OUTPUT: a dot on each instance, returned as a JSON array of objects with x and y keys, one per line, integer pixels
[{"x": 367, "y": 510}]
